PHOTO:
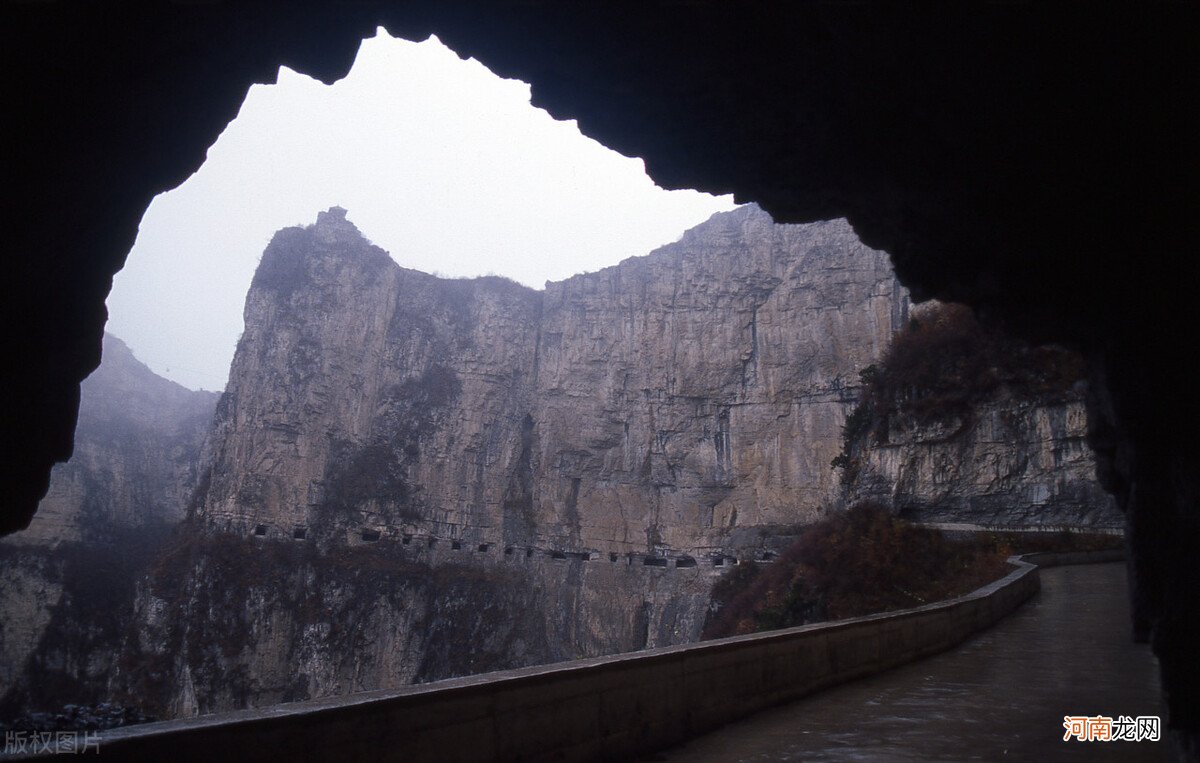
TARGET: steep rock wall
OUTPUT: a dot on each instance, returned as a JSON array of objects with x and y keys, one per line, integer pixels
[
  {"x": 136, "y": 456},
  {"x": 411, "y": 478},
  {"x": 664, "y": 403},
  {"x": 686, "y": 396},
  {"x": 365, "y": 395},
  {"x": 1016, "y": 462},
  {"x": 67, "y": 581},
  {"x": 231, "y": 621}
]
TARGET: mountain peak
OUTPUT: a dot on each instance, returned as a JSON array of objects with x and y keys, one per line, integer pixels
[
  {"x": 332, "y": 226},
  {"x": 331, "y": 215}
]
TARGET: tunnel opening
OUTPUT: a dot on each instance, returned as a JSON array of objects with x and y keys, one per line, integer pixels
[
  {"x": 1161, "y": 554},
  {"x": 501, "y": 139},
  {"x": 260, "y": 530}
]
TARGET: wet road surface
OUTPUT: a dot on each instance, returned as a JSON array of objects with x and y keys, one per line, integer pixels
[{"x": 1001, "y": 695}]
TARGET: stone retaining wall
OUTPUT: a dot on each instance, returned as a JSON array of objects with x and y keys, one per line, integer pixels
[{"x": 604, "y": 708}]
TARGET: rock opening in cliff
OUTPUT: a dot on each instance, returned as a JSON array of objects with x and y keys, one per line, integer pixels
[
  {"x": 415, "y": 140},
  {"x": 669, "y": 410}
]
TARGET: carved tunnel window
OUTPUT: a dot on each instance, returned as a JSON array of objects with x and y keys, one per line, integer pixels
[
  {"x": 483, "y": 547},
  {"x": 529, "y": 553},
  {"x": 557, "y": 555},
  {"x": 685, "y": 561},
  {"x": 406, "y": 539},
  {"x": 300, "y": 533},
  {"x": 655, "y": 561},
  {"x": 612, "y": 557},
  {"x": 718, "y": 561},
  {"x": 456, "y": 545},
  {"x": 370, "y": 535},
  {"x": 260, "y": 530}
]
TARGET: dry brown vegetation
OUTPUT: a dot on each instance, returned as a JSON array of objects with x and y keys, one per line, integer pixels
[
  {"x": 1033, "y": 542},
  {"x": 943, "y": 365},
  {"x": 946, "y": 361},
  {"x": 858, "y": 562}
]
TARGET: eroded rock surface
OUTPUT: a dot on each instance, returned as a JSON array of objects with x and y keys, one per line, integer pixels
[
  {"x": 1013, "y": 462},
  {"x": 411, "y": 478},
  {"x": 663, "y": 403},
  {"x": 66, "y": 582}
]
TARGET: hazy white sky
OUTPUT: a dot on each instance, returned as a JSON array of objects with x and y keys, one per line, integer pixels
[{"x": 437, "y": 160}]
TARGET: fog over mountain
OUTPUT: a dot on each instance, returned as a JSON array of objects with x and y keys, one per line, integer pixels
[{"x": 445, "y": 165}]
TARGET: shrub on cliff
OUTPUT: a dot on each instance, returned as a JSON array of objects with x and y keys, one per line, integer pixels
[
  {"x": 943, "y": 365},
  {"x": 857, "y": 562},
  {"x": 946, "y": 361}
]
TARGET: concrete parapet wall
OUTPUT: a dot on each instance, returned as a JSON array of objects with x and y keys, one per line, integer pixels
[
  {"x": 1063, "y": 558},
  {"x": 603, "y": 708}
]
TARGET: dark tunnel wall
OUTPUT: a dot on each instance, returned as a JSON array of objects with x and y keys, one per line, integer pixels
[{"x": 1038, "y": 162}]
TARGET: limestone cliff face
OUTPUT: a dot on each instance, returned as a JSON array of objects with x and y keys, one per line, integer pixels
[
  {"x": 1015, "y": 462},
  {"x": 663, "y": 404},
  {"x": 367, "y": 396},
  {"x": 959, "y": 423},
  {"x": 685, "y": 397},
  {"x": 137, "y": 448},
  {"x": 66, "y": 582},
  {"x": 411, "y": 478},
  {"x": 250, "y": 622}
]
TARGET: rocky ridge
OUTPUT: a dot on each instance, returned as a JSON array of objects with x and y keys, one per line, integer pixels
[
  {"x": 66, "y": 582},
  {"x": 666, "y": 403},
  {"x": 411, "y": 478}
]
